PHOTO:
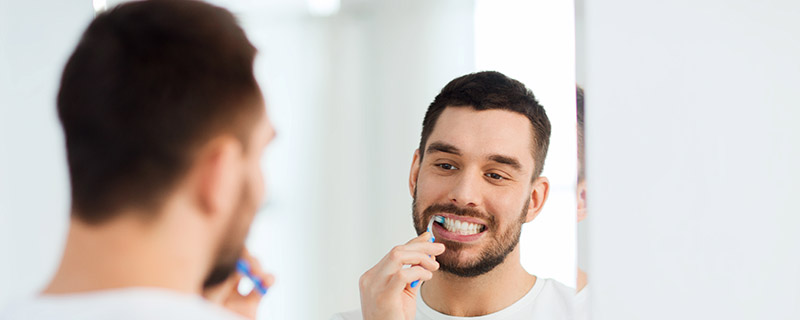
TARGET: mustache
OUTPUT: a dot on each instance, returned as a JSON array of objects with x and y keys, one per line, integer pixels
[{"x": 459, "y": 211}]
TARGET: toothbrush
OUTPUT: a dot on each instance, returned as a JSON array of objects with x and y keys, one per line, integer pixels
[
  {"x": 244, "y": 269},
  {"x": 438, "y": 219}
]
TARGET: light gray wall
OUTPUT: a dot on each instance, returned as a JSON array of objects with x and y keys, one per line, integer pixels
[
  {"x": 693, "y": 150},
  {"x": 36, "y": 38}
]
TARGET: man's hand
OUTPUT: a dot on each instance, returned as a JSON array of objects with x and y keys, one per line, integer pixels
[
  {"x": 227, "y": 295},
  {"x": 385, "y": 289}
]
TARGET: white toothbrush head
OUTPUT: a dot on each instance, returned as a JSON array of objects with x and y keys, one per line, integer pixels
[{"x": 438, "y": 219}]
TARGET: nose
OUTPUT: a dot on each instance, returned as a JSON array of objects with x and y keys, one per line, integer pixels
[{"x": 466, "y": 192}]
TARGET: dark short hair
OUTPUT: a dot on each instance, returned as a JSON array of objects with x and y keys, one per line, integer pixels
[
  {"x": 148, "y": 83},
  {"x": 581, "y": 146},
  {"x": 490, "y": 90}
]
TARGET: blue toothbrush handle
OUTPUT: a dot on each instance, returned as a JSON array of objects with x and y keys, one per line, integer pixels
[
  {"x": 244, "y": 268},
  {"x": 415, "y": 283}
]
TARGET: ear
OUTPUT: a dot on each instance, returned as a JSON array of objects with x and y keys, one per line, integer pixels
[
  {"x": 539, "y": 193},
  {"x": 219, "y": 175},
  {"x": 581, "y": 200},
  {"x": 414, "y": 174}
]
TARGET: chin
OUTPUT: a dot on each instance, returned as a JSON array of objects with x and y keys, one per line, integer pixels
[{"x": 460, "y": 258}]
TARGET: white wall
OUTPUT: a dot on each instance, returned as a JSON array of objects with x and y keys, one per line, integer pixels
[
  {"x": 693, "y": 148},
  {"x": 35, "y": 41}
]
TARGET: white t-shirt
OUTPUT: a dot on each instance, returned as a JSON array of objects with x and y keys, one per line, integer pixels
[
  {"x": 548, "y": 299},
  {"x": 123, "y": 304},
  {"x": 582, "y": 304}
]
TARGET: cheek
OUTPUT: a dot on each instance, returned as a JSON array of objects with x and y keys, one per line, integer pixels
[
  {"x": 506, "y": 204},
  {"x": 432, "y": 189}
]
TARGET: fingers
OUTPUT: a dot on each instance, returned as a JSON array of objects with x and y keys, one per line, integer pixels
[
  {"x": 423, "y": 242},
  {"x": 255, "y": 296},
  {"x": 428, "y": 248},
  {"x": 399, "y": 257},
  {"x": 404, "y": 277},
  {"x": 262, "y": 278},
  {"x": 424, "y": 237},
  {"x": 385, "y": 288},
  {"x": 418, "y": 251}
]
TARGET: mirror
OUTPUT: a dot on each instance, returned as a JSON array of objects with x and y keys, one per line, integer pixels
[
  {"x": 347, "y": 84},
  {"x": 347, "y": 89}
]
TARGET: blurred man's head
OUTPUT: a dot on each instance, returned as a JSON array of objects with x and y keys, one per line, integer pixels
[
  {"x": 481, "y": 154},
  {"x": 159, "y": 102}
]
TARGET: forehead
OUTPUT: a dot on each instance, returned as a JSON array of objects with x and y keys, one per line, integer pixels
[{"x": 486, "y": 132}]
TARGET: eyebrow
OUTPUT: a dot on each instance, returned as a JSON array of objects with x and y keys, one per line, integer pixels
[
  {"x": 443, "y": 147},
  {"x": 514, "y": 163},
  {"x": 451, "y": 149}
]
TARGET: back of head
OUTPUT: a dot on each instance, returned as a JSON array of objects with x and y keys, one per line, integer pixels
[
  {"x": 150, "y": 82},
  {"x": 489, "y": 90}
]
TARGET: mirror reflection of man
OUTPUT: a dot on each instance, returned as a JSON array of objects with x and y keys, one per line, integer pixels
[
  {"x": 165, "y": 126},
  {"x": 581, "y": 298},
  {"x": 479, "y": 164}
]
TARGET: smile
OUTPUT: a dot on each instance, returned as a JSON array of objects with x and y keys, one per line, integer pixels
[
  {"x": 459, "y": 228},
  {"x": 462, "y": 227}
]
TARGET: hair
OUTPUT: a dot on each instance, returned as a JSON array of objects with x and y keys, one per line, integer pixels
[
  {"x": 147, "y": 85},
  {"x": 581, "y": 146},
  {"x": 490, "y": 90}
]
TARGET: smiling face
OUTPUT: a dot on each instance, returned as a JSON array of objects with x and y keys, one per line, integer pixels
[{"x": 477, "y": 171}]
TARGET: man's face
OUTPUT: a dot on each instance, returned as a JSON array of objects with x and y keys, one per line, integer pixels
[
  {"x": 476, "y": 172},
  {"x": 252, "y": 192}
]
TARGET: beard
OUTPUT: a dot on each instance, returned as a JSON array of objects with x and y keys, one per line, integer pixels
[
  {"x": 491, "y": 256},
  {"x": 232, "y": 246}
]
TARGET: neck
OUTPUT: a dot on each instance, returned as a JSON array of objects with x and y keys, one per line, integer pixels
[
  {"x": 583, "y": 280},
  {"x": 129, "y": 252},
  {"x": 481, "y": 295}
]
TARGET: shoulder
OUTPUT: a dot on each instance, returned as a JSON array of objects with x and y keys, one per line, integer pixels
[
  {"x": 120, "y": 304},
  {"x": 582, "y": 303},
  {"x": 554, "y": 300},
  {"x": 554, "y": 287},
  {"x": 349, "y": 315}
]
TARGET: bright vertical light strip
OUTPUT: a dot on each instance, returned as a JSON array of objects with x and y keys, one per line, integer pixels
[{"x": 533, "y": 42}]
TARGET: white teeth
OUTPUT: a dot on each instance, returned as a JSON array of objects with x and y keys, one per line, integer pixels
[{"x": 461, "y": 227}]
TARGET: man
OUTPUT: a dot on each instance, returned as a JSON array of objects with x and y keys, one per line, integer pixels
[
  {"x": 165, "y": 125},
  {"x": 479, "y": 163}
]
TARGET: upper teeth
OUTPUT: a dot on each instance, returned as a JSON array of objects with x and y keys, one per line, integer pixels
[{"x": 461, "y": 227}]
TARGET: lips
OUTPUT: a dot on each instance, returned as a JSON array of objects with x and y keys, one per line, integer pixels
[{"x": 459, "y": 228}]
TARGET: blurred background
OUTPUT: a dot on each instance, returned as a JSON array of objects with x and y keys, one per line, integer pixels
[{"x": 347, "y": 85}]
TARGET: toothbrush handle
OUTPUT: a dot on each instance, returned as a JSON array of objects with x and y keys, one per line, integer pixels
[
  {"x": 244, "y": 269},
  {"x": 415, "y": 283}
]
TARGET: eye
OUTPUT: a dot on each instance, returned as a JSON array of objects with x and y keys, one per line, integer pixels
[
  {"x": 446, "y": 166},
  {"x": 494, "y": 176}
]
